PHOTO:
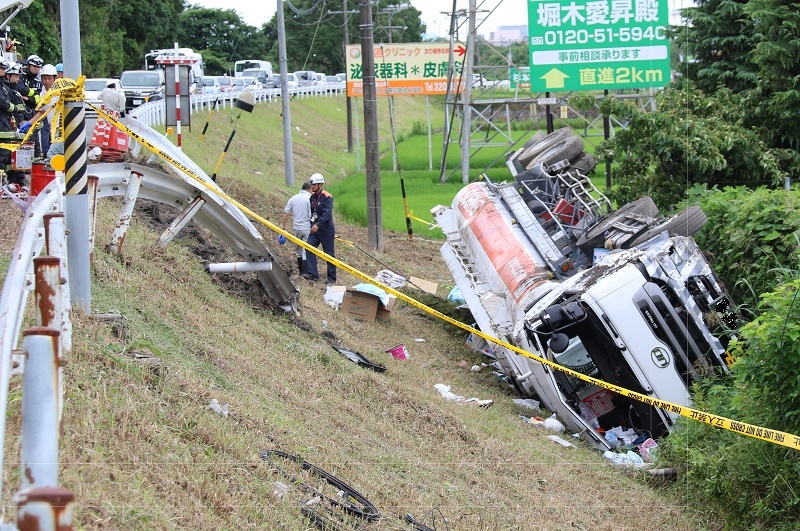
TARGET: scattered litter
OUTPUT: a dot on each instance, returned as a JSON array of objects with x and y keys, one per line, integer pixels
[
  {"x": 334, "y": 295},
  {"x": 259, "y": 173},
  {"x": 559, "y": 440},
  {"x": 280, "y": 489},
  {"x": 94, "y": 153},
  {"x": 462, "y": 363},
  {"x": 360, "y": 359},
  {"x": 374, "y": 290},
  {"x": 476, "y": 368},
  {"x": 390, "y": 278},
  {"x": 553, "y": 424},
  {"x": 628, "y": 460},
  {"x": 216, "y": 408},
  {"x": 529, "y": 403},
  {"x": 620, "y": 435},
  {"x": 648, "y": 450},
  {"x": 419, "y": 340},
  {"x": 398, "y": 352},
  {"x": 456, "y": 296},
  {"x": 444, "y": 390}
]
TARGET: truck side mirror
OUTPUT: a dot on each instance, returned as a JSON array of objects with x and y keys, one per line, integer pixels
[{"x": 559, "y": 342}]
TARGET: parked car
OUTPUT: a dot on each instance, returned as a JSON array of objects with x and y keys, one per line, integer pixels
[
  {"x": 306, "y": 78},
  {"x": 291, "y": 81},
  {"x": 141, "y": 86},
  {"x": 225, "y": 83},
  {"x": 342, "y": 77},
  {"x": 263, "y": 76},
  {"x": 248, "y": 84},
  {"x": 332, "y": 84},
  {"x": 320, "y": 78},
  {"x": 93, "y": 86},
  {"x": 209, "y": 85}
]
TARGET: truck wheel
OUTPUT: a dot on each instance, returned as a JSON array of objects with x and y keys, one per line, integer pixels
[
  {"x": 643, "y": 206},
  {"x": 535, "y": 138},
  {"x": 584, "y": 163},
  {"x": 567, "y": 148},
  {"x": 684, "y": 223},
  {"x": 546, "y": 142}
]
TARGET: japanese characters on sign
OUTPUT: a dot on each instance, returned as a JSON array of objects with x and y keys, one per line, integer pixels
[
  {"x": 598, "y": 44},
  {"x": 409, "y": 69},
  {"x": 519, "y": 78}
]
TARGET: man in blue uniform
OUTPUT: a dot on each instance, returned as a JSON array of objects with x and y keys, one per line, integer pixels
[{"x": 322, "y": 229}]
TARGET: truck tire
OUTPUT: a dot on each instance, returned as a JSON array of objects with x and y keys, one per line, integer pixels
[
  {"x": 584, "y": 163},
  {"x": 567, "y": 148},
  {"x": 535, "y": 138},
  {"x": 684, "y": 223},
  {"x": 553, "y": 138},
  {"x": 643, "y": 206}
]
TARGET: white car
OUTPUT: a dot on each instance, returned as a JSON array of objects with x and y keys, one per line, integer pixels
[{"x": 93, "y": 86}]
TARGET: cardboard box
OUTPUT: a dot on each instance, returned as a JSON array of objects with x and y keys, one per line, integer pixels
[
  {"x": 383, "y": 314},
  {"x": 425, "y": 285},
  {"x": 366, "y": 306}
]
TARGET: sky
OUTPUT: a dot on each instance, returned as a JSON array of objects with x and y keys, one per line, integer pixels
[
  {"x": 509, "y": 12},
  {"x": 491, "y": 13}
]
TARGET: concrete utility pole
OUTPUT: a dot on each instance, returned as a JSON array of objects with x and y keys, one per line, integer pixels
[
  {"x": 77, "y": 200},
  {"x": 287, "y": 120},
  {"x": 466, "y": 76},
  {"x": 348, "y": 103},
  {"x": 371, "y": 148}
]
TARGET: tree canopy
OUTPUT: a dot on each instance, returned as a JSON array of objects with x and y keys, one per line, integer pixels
[{"x": 314, "y": 33}]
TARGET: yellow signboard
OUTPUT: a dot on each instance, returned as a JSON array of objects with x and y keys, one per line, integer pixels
[{"x": 407, "y": 69}]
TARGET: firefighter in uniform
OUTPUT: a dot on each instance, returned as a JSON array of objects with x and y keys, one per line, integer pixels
[
  {"x": 12, "y": 109},
  {"x": 322, "y": 229},
  {"x": 30, "y": 87}
]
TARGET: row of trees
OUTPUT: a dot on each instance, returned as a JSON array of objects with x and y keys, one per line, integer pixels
[{"x": 115, "y": 35}]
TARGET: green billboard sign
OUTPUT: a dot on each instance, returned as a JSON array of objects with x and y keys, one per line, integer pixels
[
  {"x": 519, "y": 78},
  {"x": 598, "y": 44}
]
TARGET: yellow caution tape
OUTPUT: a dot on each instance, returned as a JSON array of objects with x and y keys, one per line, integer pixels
[
  {"x": 67, "y": 91},
  {"x": 774, "y": 436}
]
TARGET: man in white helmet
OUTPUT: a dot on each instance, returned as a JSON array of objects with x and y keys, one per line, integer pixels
[
  {"x": 322, "y": 229},
  {"x": 299, "y": 207}
]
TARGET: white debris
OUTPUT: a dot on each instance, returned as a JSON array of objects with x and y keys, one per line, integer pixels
[{"x": 216, "y": 408}]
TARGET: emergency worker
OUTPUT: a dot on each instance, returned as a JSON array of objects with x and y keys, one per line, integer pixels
[
  {"x": 12, "y": 109},
  {"x": 299, "y": 207},
  {"x": 322, "y": 229},
  {"x": 60, "y": 70},
  {"x": 48, "y": 75},
  {"x": 30, "y": 87}
]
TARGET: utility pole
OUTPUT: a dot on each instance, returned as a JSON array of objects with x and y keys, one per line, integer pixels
[
  {"x": 287, "y": 120},
  {"x": 371, "y": 148},
  {"x": 77, "y": 182},
  {"x": 347, "y": 96},
  {"x": 466, "y": 76}
]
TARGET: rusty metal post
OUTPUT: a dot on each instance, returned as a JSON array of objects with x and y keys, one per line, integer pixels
[
  {"x": 93, "y": 181},
  {"x": 55, "y": 231},
  {"x": 180, "y": 222},
  {"x": 125, "y": 213},
  {"x": 50, "y": 308},
  {"x": 45, "y": 508},
  {"x": 40, "y": 408}
]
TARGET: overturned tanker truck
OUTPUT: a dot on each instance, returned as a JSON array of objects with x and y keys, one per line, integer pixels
[{"x": 625, "y": 296}]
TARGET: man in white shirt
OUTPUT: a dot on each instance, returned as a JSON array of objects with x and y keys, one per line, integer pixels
[
  {"x": 113, "y": 101},
  {"x": 299, "y": 206}
]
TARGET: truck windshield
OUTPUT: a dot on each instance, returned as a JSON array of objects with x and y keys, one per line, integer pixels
[{"x": 143, "y": 79}]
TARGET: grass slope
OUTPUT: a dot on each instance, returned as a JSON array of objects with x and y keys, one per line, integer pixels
[{"x": 142, "y": 450}]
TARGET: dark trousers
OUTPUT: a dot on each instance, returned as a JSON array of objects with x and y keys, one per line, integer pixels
[{"x": 326, "y": 239}]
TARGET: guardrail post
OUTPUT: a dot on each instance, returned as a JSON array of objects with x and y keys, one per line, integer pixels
[
  {"x": 180, "y": 222},
  {"x": 50, "y": 310},
  {"x": 55, "y": 230},
  {"x": 93, "y": 181},
  {"x": 39, "y": 456},
  {"x": 125, "y": 213}
]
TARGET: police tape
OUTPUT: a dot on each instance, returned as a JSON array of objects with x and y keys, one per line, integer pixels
[
  {"x": 773, "y": 436},
  {"x": 67, "y": 91}
]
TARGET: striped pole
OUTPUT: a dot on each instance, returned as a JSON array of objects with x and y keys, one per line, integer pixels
[
  {"x": 76, "y": 203},
  {"x": 178, "y": 102}
]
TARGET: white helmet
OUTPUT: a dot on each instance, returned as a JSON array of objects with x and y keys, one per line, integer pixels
[
  {"x": 317, "y": 178},
  {"x": 48, "y": 70}
]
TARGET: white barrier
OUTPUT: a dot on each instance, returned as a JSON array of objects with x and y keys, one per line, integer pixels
[{"x": 154, "y": 113}]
